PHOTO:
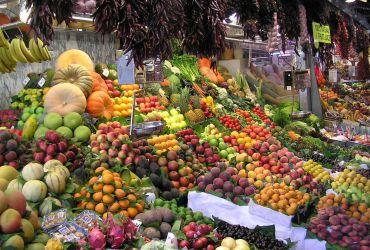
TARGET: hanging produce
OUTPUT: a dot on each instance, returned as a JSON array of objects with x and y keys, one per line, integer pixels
[
  {"x": 316, "y": 11},
  {"x": 288, "y": 18},
  {"x": 106, "y": 16},
  {"x": 63, "y": 10},
  {"x": 266, "y": 11}
]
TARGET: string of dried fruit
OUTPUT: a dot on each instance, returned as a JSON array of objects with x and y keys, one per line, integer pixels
[
  {"x": 215, "y": 28},
  {"x": 342, "y": 39},
  {"x": 165, "y": 23},
  {"x": 63, "y": 10},
  {"x": 303, "y": 25},
  {"x": 106, "y": 16},
  {"x": 288, "y": 18},
  {"x": 316, "y": 11},
  {"x": 362, "y": 46},
  {"x": 41, "y": 21},
  {"x": 326, "y": 52},
  {"x": 265, "y": 21},
  {"x": 132, "y": 30}
]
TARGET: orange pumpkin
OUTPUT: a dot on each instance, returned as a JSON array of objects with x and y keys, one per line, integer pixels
[
  {"x": 99, "y": 104},
  {"x": 98, "y": 83},
  {"x": 204, "y": 62},
  {"x": 209, "y": 74},
  {"x": 4, "y": 19}
]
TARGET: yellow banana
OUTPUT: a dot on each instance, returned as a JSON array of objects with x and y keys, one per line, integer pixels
[
  {"x": 3, "y": 68},
  {"x": 10, "y": 56},
  {"x": 35, "y": 51},
  {"x": 5, "y": 58},
  {"x": 16, "y": 51},
  {"x": 3, "y": 41},
  {"x": 44, "y": 51},
  {"x": 26, "y": 52}
]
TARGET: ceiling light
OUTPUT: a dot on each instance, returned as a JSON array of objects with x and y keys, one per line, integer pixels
[{"x": 350, "y": 1}]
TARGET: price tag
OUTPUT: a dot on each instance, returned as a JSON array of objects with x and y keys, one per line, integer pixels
[
  {"x": 137, "y": 223},
  {"x": 333, "y": 75},
  {"x": 106, "y": 72},
  {"x": 41, "y": 82},
  {"x": 150, "y": 198},
  {"x": 26, "y": 80}
]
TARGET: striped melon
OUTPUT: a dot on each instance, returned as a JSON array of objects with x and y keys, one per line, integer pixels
[
  {"x": 33, "y": 171},
  {"x": 56, "y": 182},
  {"x": 15, "y": 185},
  {"x": 47, "y": 205},
  {"x": 57, "y": 166},
  {"x": 34, "y": 190}
]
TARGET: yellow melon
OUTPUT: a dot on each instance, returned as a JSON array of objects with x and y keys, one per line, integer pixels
[{"x": 74, "y": 56}]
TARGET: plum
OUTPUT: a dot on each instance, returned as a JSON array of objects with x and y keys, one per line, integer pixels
[
  {"x": 243, "y": 182},
  {"x": 208, "y": 178},
  {"x": 238, "y": 190},
  {"x": 228, "y": 186},
  {"x": 225, "y": 176},
  {"x": 218, "y": 183},
  {"x": 209, "y": 187},
  {"x": 334, "y": 220},
  {"x": 215, "y": 171}
]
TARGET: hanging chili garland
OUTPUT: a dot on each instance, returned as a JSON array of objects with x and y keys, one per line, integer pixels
[
  {"x": 288, "y": 19},
  {"x": 106, "y": 16}
]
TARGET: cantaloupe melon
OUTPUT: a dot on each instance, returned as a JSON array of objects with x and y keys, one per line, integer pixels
[{"x": 74, "y": 56}]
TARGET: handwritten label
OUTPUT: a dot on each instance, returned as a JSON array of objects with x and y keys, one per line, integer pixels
[
  {"x": 26, "y": 80},
  {"x": 41, "y": 82},
  {"x": 333, "y": 75},
  {"x": 126, "y": 72},
  {"x": 106, "y": 72},
  {"x": 321, "y": 33}
]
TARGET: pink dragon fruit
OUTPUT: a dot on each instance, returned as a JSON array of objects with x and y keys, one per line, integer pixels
[
  {"x": 116, "y": 236},
  {"x": 96, "y": 239}
]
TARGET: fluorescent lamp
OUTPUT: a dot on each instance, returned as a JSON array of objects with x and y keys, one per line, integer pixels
[{"x": 350, "y": 1}]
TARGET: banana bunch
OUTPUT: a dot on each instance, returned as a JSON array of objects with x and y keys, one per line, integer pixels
[{"x": 17, "y": 51}]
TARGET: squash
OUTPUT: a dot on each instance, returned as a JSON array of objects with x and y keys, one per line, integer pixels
[
  {"x": 34, "y": 190},
  {"x": 74, "y": 56},
  {"x": 65, "y": 98},
  {"x": 46, "y": 206},
  {"x": 76, "y": 75},
  {"x": 33, "y": 171},
  {"x": 208, "y": 73},
  {"x": 99, "y": 104},
  {"x": 220, "y": 78},
  {"x": 15, "y": 185},
  {"x": 56, "y": 182},
  {"x": 204, "y": 62},
  {"x": 60, "y": 169},
  {"x": 98, "y": 83}
]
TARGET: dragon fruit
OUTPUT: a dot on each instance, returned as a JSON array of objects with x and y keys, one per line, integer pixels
[
  {"x": 115, "y": 232},
  {"x": 96, "y": 239}
]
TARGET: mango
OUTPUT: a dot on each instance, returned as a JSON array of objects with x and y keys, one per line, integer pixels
[
  {"x": 3, "y": 202},
  {"x": 8, "y": 172},
  {"x": 28, "y": 232},
  {"x": 10, "y": 221},
  {"x": 14, "y": 243},
  {"x": 34, "y": 219},
  {"x": 3, "y": 184},
  {"x": 35, "y": 246},
  {"x": 17, "y": 201},
  {"x": 41, "y": 238}
]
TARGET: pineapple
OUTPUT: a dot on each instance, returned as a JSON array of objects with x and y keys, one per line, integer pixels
[
  {"x": 198, "y": 109},
  {"x": 185, "y": 107},
  {"x": 175, "y": 96},
  {"x": 164, "y": 101}
]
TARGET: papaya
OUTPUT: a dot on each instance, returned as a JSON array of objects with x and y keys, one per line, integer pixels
[{"x": 29, "y": 128}]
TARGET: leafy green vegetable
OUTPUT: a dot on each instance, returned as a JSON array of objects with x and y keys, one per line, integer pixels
[{"x": 188, "y": 67}]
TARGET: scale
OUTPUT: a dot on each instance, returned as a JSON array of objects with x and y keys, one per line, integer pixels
[{"x": 297, "y": 80}]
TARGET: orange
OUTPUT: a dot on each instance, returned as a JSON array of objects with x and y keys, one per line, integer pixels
[
  {"x": 82, "y": 204},
  {"x": 290, "y": 210},
  {"x": 124, "y": 203},
  {"x": 142, "y": 203},
  {"x": 106, "y": 172},
  {"x": 83, "y": 192},
  {"x": 93, "y": 180},
  {"x": 98, "y": 196},
  {"x": 77, "y": 195},
  {"x": 88, "y": 195},
  {"x": 115, "y": 174},
  {"x": 108, "y": 199},
  {"x": 90, "y": 205},
  {"x": 117, "y": 178},
  {"x": 108, "y": 189},
  {"x": 120, "y": 193},
  {"x": 100, "y": 208},
  {"x": 264, "y": 197},
  {"x": 132, "y": 212},
  {"x": 124, "y": 212},
  {"x": 98, "y": 187},
  {"x": 139, "y": 208},
  {"x": 118, "y": 184},
  {"x": 362, "y": 208},
  {"x": 108, "y": 178},
  {"x": 131, "y": 197},
  {"x": 114, "y": 207},
  {"x": 99, "y": 170},
  {"x": 356, "y": 215}
]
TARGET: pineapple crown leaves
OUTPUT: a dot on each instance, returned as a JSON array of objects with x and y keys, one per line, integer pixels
[
  {"x": 196, "y": 102},
  {"x": 184, "y": 99},
  {"x": 173, "y": 89}
]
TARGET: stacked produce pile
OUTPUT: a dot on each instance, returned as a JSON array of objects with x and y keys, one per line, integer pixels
[{"x": 75, "y": 166}]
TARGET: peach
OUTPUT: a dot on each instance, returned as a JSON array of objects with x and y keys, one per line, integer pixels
[
  {"x": 10, "y": 221},
  {"x": 17, "y": 201}
]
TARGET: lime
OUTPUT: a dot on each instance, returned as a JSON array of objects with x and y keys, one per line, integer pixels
[
  {"x": 158, "y": 202},
  {"x": 25, "y": 116},
  {"x": 20, "y": 124},
  {"x": 39, "y": 110},
  {"x": 26, "y": 110},
  {"x": 213, "y": 142},
  {"x": 198, "y": 216}
]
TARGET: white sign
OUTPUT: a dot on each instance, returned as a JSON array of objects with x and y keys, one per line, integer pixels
[
  {"x": 26, "y": 80},
  {"x": 106, "y": 72},
  {"x": 41, "y": 82},
  {"x": 333, "y": 75}
]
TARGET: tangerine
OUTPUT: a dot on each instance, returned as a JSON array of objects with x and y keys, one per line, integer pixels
[
  {"x": 118, "y": 184},
  {"x": 98, "y": 196},
  {"x": 139, "y": 208},
  {"x": 93, "y": 180},
  {"x": 98, "y": 186},
  {"x": 114, "y": 207},
  {"x": 108, "y": 178},
  {"x": 108, "y": 199},
  {"x": 90, "y": 205},
  {"x": 120, "y": 193},
  {"x": 99, "y": 170},
  {"x": 131, "y": 197},
  {"x": 108, "y": 189},
  {"x": 124, "y": 213},
  {"x": 77, "y": 195},
  {"x": 100, "y": 208}
]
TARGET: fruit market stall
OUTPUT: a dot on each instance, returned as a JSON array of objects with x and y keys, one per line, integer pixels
[{"x": 226, "y": 168}]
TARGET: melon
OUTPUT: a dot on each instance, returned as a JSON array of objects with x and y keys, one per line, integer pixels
[
  {"x": 82, "y": 133},
  {"x": 33, "y": 171},
  {"x": 74, "y": 56},
  {"x": 34, "y": 190},
  {"x": 65, "y": 132},
  {"x": 15, "y": 185},
  {"x": 56, "y": 182},
  {"x": 53, "y": 120},
  {"x": 72, "y": 120},
  {"x": 57, "y": 167},
  {"x": 47, "y": 205},
  {"x": 40, "y": 132}
]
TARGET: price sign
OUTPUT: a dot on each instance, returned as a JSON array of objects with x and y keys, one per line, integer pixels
[
  {"x": 41, "y": 82},
  {"x": 126, "y": 72},
  {"x": 26, "y": 80},
  {"x": 321, "y": 34},
  {"x": 333, "y": 75},
  {"x": 105, "y": 72}
]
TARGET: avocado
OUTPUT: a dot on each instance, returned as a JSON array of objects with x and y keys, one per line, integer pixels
[
  {"x": 167, "y": 195},
  {"x": 175, "y": 193},
  {"x": 165, "y": 228},
  {"x": 154, "y": 168},
  {"x": 166, "y": 184},
  {"x": 156, "y": 180},
  {"x": 141, "y": 172}
]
